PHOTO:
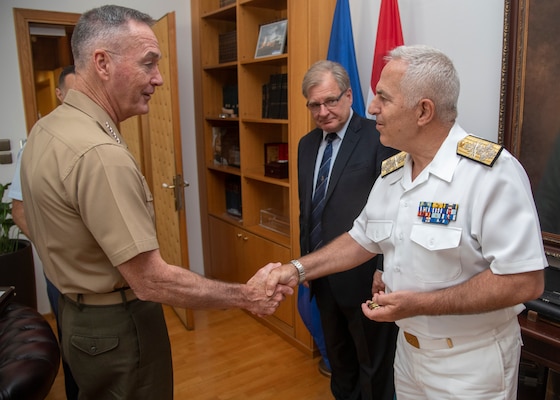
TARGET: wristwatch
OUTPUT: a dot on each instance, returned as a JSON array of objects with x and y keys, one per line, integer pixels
[{"x": 300, "y": 270}]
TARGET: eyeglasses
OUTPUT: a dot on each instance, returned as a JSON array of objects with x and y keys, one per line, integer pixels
[{"x": 329, "y": 103}]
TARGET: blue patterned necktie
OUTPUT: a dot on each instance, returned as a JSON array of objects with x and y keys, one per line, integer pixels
[{"x": 318, "y": 201}]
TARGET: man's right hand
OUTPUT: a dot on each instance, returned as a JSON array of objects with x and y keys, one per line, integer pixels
[
  {"x": 262, "y": 303},
  {"x": 284, "y": 275}
]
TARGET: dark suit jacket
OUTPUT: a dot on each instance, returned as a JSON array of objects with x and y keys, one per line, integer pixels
[{"x": 353, "y": 174}]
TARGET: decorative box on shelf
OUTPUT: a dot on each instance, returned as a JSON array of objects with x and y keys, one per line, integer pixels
[
  {"x": 276, "y": 160},
  {"x": 276, "y": 169},
  {"x": 274, "y": 220}
]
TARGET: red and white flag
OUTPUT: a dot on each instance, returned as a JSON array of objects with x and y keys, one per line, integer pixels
[{"x": 389, "y": 36}]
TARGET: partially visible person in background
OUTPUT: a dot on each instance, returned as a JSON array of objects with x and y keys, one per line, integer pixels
[
  {"x": 338, "y": 163},
  {"x": 66, "y": 82}
]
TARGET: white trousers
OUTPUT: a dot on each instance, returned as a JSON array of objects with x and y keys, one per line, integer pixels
[{"x": 485, "y": 368}]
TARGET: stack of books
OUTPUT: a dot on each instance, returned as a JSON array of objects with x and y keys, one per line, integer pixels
[{"x": 275, "y": 97}]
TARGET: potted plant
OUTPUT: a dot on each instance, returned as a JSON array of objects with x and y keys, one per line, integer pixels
[
  {"x": 9, "y": 232},
  {"x": 16, "y": 255}
]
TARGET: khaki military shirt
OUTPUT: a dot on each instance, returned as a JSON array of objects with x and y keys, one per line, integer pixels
[{"x": 87, "y": 204}]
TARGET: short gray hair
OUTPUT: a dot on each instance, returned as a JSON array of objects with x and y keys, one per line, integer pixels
[
  {"x": 102, "y": 27},
  {"x": 429, "y": 74},
  {"x": 315, "y": 75}
]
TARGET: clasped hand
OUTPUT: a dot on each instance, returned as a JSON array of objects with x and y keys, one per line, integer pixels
[{"x": 262, "y": 301}]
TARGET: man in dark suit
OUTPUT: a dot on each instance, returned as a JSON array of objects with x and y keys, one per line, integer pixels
[{"x": 360, "y": 351}]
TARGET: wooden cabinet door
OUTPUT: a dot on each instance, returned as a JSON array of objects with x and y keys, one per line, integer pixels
[
  {"x": 225, "y": 250},
  {"x": 236, "y": 255},
  {"x": 258, "y": 252}
]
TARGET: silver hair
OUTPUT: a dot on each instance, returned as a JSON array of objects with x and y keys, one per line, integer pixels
[
  {"x": 315, "y": 75},
  {"x": 103, "y": 27},
  {"x": 429, "y": 74}
]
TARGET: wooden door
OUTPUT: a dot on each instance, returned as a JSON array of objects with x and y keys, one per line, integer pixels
[
  {"x": 155, "y": 141},
  {"x": 163, "y": 157}
]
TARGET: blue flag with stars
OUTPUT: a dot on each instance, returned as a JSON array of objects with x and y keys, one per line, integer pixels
[{"x": 341, "y": 50}]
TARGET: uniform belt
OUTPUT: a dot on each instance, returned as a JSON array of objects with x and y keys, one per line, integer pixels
[
  {"x": 428, "y": 344},
  {"x": 448, "y": 343},
  {"x": 102, "y": 299}
]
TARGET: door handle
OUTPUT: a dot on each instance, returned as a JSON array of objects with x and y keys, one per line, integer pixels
[
  {"x": 177, "y": 186},
  {"x": 168, "y": 186}
]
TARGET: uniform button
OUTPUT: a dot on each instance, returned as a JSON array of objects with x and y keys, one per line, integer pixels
[
  {"x": 93, "y": 349},
  {"x": 431, "y": 242}
]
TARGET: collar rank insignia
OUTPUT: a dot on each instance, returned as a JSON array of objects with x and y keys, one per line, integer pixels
[
  {"x": 480, "y": 150},
  {"x": 393, "y": 163},
  {"x": 437, "y": 213}
]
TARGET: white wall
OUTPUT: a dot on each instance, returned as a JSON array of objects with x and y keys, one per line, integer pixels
[{"x": 470, "y": 32}]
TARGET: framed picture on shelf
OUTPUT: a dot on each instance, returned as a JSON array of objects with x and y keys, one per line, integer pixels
[
  {"x": 272, "y": 39},
  {"x": 275, "y": 152},
  {"x": 276, "y": 160}
]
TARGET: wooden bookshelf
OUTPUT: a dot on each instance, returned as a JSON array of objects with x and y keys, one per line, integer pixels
[{"x": 235, "y": 247}]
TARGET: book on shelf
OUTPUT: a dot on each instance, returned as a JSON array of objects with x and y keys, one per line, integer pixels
[
  {"x": 227, "y": 47},
  {"x": 224, "y": 3},
  {"x": 283, "y": 108},
  {"x": 230, "y": 101},
  {"x": 275, "y": 97},
  {"x": 265, "y": 95},
  {"x": 233, "y": 195}
]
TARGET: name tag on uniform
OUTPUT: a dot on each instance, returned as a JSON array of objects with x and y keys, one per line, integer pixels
[{"x": 437, "y": 213}]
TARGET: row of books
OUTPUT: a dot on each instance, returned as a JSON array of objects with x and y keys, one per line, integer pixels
[
  {"x": 275, "y": 97},
  {"x": 227, "y": 47}
]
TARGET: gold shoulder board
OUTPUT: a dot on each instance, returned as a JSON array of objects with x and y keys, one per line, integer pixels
[
  {"x": 478, "y": 149},
  {"x": 393, "y": 163}
]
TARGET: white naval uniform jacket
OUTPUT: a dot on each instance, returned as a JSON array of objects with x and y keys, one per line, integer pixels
[{"x": 496, "y": 227}]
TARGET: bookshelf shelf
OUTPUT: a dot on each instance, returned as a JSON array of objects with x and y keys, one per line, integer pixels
[
  {"x": 226, "y": 13},
  {"x": 270, "y": 4},
  {"x": 272, "y": 60},
  {"x": 258, "y": 175},
  {"x": 270, "y": 121},
  {"x": 220, "y": 67}
]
